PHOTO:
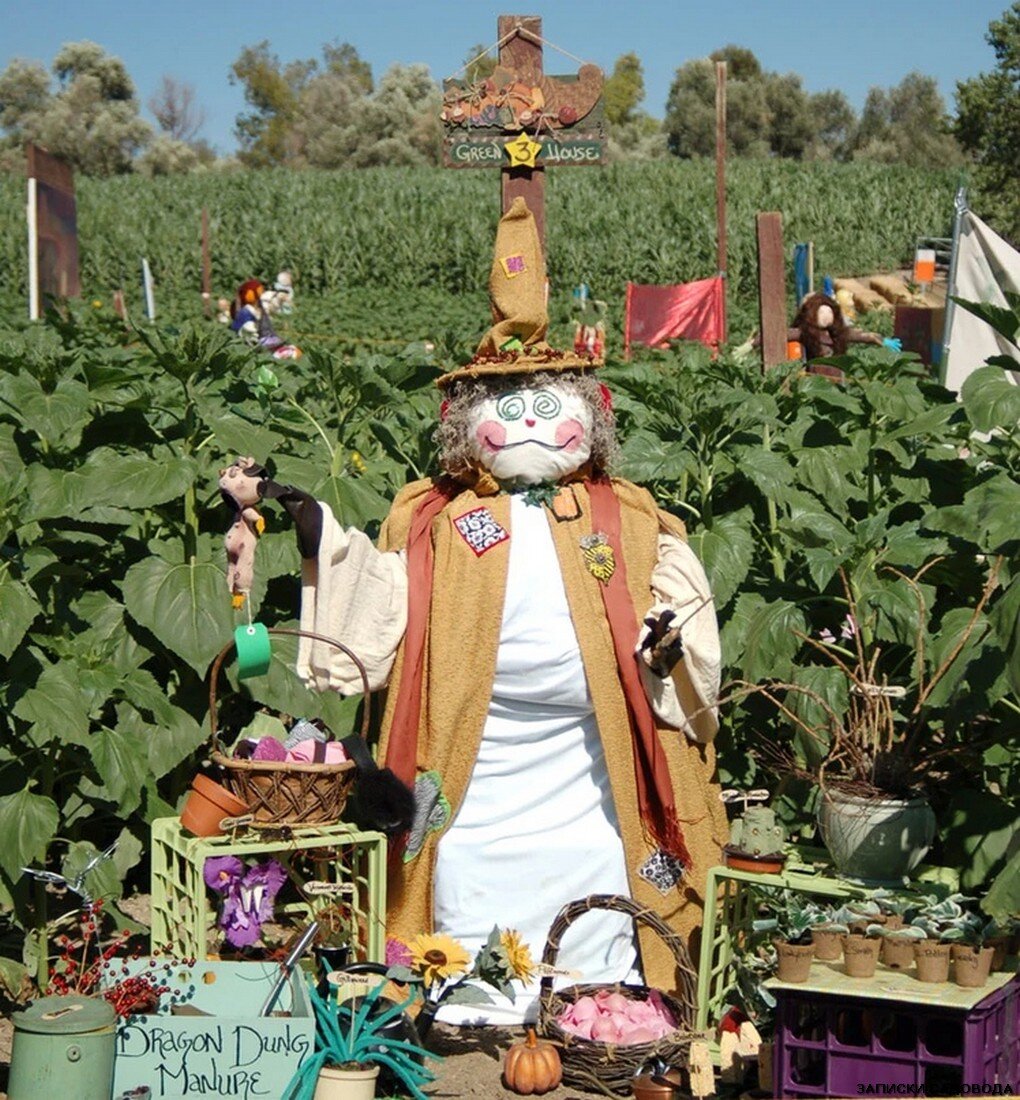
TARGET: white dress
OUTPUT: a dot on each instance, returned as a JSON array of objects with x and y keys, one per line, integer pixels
[{"x": 537, "y": 828}]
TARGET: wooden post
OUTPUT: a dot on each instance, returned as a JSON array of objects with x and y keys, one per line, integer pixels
[
  {"x": 53, "y": 231},
  {"x": 771, "y": 289},
  {"x": 720, "y": 184},
  {"x": 206, "y": 266},
  {"x": 523, "y": 52}
]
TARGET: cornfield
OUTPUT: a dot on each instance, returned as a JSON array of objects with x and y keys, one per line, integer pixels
[{"x": 400, "y": 241}]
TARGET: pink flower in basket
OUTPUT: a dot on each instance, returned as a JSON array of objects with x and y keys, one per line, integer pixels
[{"x": 611, "y": 1017}]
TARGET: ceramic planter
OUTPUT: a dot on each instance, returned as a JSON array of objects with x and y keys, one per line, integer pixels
[
  {"x": 932, "y": 961},
  {"x": 971, "y": 965},
  {"x": 897, "y": 954},
  {"x": 860, "y": 955},
  {"x": 828, "y": 944},
  {"x": 877, "y": 841},
  {"x": 207, "y": 805},
  {"x": 794, "y": 961},
  {"x": 649, "y": 1086},
  {"x": 346, "y": 1084}
]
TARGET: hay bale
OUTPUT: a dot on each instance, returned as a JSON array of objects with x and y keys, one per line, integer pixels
[
  {"x": 864, "y": 298},
  {"x": 893, "y": 288}
]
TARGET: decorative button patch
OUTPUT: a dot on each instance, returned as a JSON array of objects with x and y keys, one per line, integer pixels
[
  {"x": 431, "y": 812},
  {"x": 662, "y": 870},
  {"x": 513, "y": 266},
  {"x": 479, "y": 529}
]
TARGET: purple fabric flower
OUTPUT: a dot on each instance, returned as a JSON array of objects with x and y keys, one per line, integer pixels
[{"x": 248, "y": 895}]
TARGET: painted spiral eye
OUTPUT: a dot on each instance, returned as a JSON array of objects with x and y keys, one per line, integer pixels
[
  {"x": 546, "y": 404},
  {"x": 510, "y": 406}
]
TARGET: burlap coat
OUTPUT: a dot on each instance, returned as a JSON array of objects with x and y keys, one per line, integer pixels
[{"x": 459, "y": 665}]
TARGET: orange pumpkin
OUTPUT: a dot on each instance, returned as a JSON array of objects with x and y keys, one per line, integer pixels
[{"x": 532, "y": 1067}]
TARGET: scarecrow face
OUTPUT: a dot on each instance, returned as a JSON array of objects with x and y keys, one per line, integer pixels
[{"x": 525, "y": 436}]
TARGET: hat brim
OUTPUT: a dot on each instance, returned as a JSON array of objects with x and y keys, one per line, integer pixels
[{"x": 519, "y": 363}]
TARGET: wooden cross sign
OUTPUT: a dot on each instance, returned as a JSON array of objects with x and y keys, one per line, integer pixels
[{"x": 521, "y": 120}]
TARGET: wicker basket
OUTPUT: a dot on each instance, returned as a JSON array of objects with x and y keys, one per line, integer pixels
[
  {"x": 283, "y": 794},
  {"x": 606, "y": 1067}
]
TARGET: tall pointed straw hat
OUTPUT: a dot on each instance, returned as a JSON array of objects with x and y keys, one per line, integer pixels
[{"x": 515, "y": 344}]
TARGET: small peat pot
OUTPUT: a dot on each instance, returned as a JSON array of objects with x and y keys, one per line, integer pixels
[
  {"x": 897, "y": 954},
  {"x": 794, "y": 960},
  {"x": 971, "y": 965},
  {"x": 932, "y": 961},
  {"x": 828, "y": 943},
  {"x": 860, "y": 955}
]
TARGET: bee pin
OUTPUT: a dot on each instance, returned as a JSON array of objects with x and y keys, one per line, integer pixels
[{"x": 599, "y": 558}]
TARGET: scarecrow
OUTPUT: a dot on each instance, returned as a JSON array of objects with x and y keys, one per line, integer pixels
[
  {"x": 250, "y": 320},
  {"x": 822, "y": 331},
  {"x": 557, "y": 745}
]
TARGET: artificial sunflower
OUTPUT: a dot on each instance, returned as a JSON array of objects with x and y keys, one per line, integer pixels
[
  {"x": 518, "y": 953},
  {"x": 437, "y": 957}
]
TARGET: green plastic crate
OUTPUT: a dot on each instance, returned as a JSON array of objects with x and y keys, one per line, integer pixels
[
  {"x": 333, "y": 857},
  {"x": 729, "y": 912}
]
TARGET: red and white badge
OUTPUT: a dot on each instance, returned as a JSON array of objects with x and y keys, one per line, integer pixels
[{"x": 479, "y": 529}]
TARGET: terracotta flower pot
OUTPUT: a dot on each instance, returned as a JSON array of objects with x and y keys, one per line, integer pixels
[
  {"x": 932, "y": 961},
  {"x": 794, "y": 961},
  {"x": 346, "y": 1084},
  {"x": 828, "y": 944},
  {"x": 971, "y": 965},
  {"x": 897, "y": 954},
  {"x": 860, "y": 955},
  {"x": 207, "y": 805}
]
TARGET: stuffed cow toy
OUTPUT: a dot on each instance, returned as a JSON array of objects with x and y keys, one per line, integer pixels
[{"x": 551, "y": 654}]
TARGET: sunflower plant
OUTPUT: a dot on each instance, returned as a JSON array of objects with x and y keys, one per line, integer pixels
[{"x": 446, "y": 973}]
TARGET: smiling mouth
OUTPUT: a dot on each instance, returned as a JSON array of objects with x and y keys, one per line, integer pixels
[{"x": 522, "y": 442}]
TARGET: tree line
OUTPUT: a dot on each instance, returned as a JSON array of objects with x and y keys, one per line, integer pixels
[{"x": 329, "y": 112}]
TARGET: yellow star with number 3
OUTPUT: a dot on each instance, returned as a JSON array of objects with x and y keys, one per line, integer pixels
[{"x": 522, "y": 151}]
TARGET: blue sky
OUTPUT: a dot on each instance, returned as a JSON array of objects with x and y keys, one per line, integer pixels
[{"x": 850, "y": 46}]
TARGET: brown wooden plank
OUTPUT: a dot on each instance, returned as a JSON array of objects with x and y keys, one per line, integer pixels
[
  {"x": 49, "y": 169},
  {"x": 521, "y": 53},
  {"x": 772, "y": 289}
]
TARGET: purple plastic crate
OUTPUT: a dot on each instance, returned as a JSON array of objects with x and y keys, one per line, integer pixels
[{"x": 836, "y": 1044}]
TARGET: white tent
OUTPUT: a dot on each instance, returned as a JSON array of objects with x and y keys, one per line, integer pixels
[{"x": 983, "y": 268}]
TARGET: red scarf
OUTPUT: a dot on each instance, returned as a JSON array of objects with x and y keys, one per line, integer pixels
[{"x": 654, "y": 788}]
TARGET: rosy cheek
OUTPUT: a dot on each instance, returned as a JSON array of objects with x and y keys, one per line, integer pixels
[
  {"x": 570, "y": 435},
  {"x": 491, "y": 435}
]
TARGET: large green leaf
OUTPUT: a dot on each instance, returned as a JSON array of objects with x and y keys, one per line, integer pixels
[
  {"x": 18, "y": 608},
  {"x": 103, "y": 880},
  {"x": 136, "y": 480},
  {"x": 28, "y": 822},
  {"x": 951, "y": 631},
  {"x": 55, "y": 706},
  {"x": 772, "y": 641},
  {"x": 55, "y": 494},
  {"x": 829, "y": 684},
  {"x": 991, "y": 399},
  {"x": 987, "y": 517},
  {"x": 733, "y": 635},
  {"x": 981, "y": 834},
  {"x": 1005, "y": 620},
  {"x": 353, "y": 501},
  {"x": 121, "y": 758},
  {"x": 186, "y": 606},
  {"x": 726, "y": 551},
  {"x": 58, "y": 416},
  {"x": 1003, "y": 898}
]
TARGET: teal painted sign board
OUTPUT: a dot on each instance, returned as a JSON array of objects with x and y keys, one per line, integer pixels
[{"x": 232, "y": 1052}]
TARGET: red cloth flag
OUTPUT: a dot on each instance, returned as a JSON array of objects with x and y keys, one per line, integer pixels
[{"x": 691, "y": 311}]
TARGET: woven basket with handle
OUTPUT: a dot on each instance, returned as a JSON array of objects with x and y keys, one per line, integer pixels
[
  {"x": 606, "y": 1067},
  {"x": 282, "y": 793}
]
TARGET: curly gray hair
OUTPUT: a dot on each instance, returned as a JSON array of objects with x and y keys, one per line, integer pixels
[{"x": 454, "y": 432}]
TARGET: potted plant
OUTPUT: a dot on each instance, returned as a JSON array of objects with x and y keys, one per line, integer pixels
[
  {"x": 970, "y": 952},
  {"x": 790, "y": 924},
  {"x": 828, "y": 932},
  {"x": 897, "y": 950},
  {"x": 942, "y": 921},
  {"x": 868, "y": 713},
  {"x": 352, "y": 1044}
]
